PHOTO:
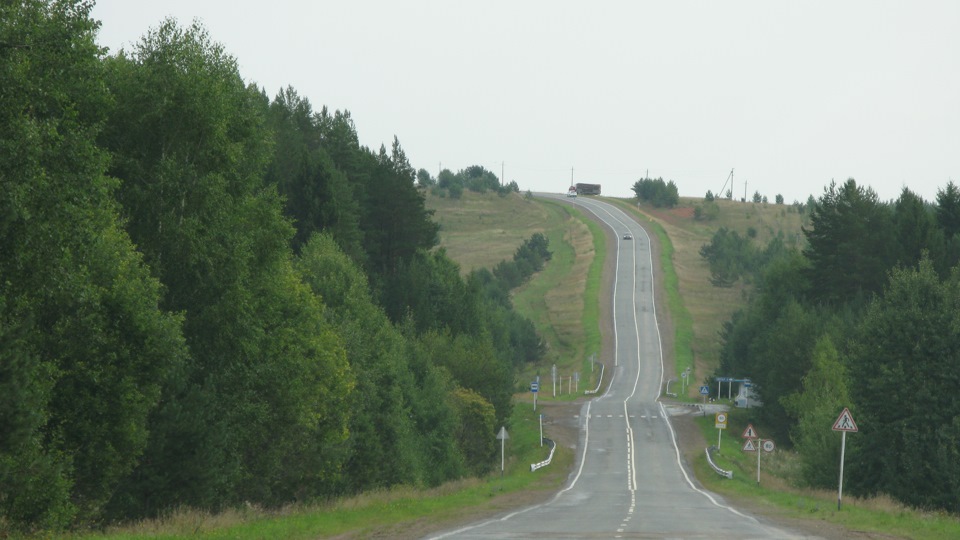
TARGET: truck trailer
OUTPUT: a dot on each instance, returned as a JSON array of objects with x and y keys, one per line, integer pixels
[{"x": 588, "y": 189}]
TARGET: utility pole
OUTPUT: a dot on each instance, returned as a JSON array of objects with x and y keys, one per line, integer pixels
[
  {"x": 501, "y": 174},
  {"x": 744, "y": 190},
  {"x": 571, "y": 176}
]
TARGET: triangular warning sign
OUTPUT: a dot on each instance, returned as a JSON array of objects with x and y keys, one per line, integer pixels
[
  {"x": 749, "y": 446},
  {"x": 749, "y": 433},
  {"x": 845, "y": 422}
]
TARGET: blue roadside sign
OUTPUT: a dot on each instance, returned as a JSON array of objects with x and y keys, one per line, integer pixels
[
  {"x": 534, "y": 387},
  {"x": 705, "y": 390}
]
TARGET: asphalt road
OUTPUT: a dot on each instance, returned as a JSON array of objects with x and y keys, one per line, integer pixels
[{"x": 629, "y": 480}]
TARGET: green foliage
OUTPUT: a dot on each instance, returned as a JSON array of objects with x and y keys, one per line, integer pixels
[
  {"x": 657, "y": 192},
  {"x": 384, "y": 444},
  {"x": 905, "y": 353},
  {"x": 915, "y": 230},
  {"x": 84, "y": 347},
  {"x": 779, "y": 198},
  {"x": 708, "y": 211},
  {"x": 816, "y": 407},
  {"x": 948, "y": 210},
  {"x": 317, "y": 194},
  {"x": 160, "y": 344},
  {"x": 264, "y": 394},
  {"x": 849, "y": 245},
  {"x": 729, "y": 256},
  {"x": 474, "y": 435},
  {"x": 528, "y": 260},
  {"x": 891, "y": 339},
  {"x": 424, "y": 179}
]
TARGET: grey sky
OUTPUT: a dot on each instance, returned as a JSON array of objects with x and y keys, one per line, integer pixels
[{"x": 789, "y": 94}]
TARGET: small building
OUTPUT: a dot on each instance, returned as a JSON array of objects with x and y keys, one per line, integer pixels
[{"x": 747, "y": 397}]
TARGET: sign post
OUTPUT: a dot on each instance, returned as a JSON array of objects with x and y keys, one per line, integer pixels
[
  {"x": 704, "y": 391},
  {"x": 721, "y": 425},
  {"x": 553, "y": 377},
  {"x": 541, "y": 430},
  {"x": 502, "y": 436},
  {"x": 535, "y": 388},
  {"x": 843, "y": 424}
]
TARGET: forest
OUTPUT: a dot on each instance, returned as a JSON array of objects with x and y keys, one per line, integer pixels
[
  {"x": 211, "y": 297},
  {"x": 865, "y": 316}
]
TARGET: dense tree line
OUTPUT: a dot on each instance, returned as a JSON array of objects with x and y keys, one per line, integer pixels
[
  {"x": 210, "y": 297},
  {"x": 866, "y": 317},
  {"x": 657, "y": 192},
  {"x": 474, "y": 178}
]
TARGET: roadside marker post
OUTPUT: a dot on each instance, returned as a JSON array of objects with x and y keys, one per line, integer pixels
[
  {"x": 503, "y": 436},
  {"x": 541, "y": 430}
]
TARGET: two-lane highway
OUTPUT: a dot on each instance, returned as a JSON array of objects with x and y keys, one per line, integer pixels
[{"x": 629, "y": 480}]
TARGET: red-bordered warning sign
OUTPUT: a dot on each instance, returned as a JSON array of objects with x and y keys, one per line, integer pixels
[
  {"x": 749, "y": 446},
  {"x": 845, "y": 422},
  {"x": 749, "y": 433}
]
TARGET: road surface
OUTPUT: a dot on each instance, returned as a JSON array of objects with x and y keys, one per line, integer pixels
[{"x": 629, "y": 480}]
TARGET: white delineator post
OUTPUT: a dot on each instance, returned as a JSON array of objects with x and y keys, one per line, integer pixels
[{"x": 503, "y": 437}]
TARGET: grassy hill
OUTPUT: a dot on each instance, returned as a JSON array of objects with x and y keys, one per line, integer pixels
[
  {"x": 479, "y": 230},
  {"x": 711, "y": 306}
]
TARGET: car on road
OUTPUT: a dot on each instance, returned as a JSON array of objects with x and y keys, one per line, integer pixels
[{"x": 627, "y": 236}]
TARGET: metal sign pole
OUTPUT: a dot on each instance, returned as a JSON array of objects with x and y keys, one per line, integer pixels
[
  {"x": 541, "y": 431},
  {"x": 843, "y": 449},
  {"x": 759, "y": 447}
]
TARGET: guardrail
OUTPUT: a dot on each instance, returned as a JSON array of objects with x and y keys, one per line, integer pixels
[
  {"x": 718, "y": 470},
  {"x": 599, "y": 382},
  {"x": 544, "y": 463}
]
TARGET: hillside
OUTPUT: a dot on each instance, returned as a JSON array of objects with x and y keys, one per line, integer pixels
[
  {"x": 480, "y": 230},
  {"x": 711, "y": 306}
]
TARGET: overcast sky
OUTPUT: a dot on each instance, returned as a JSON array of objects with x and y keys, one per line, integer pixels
[{"x": 787, "y": 94}]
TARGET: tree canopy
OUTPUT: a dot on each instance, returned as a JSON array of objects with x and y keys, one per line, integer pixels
[
  {"x": 210, "y": 298},
  {"x": 864, "y": 317}
]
